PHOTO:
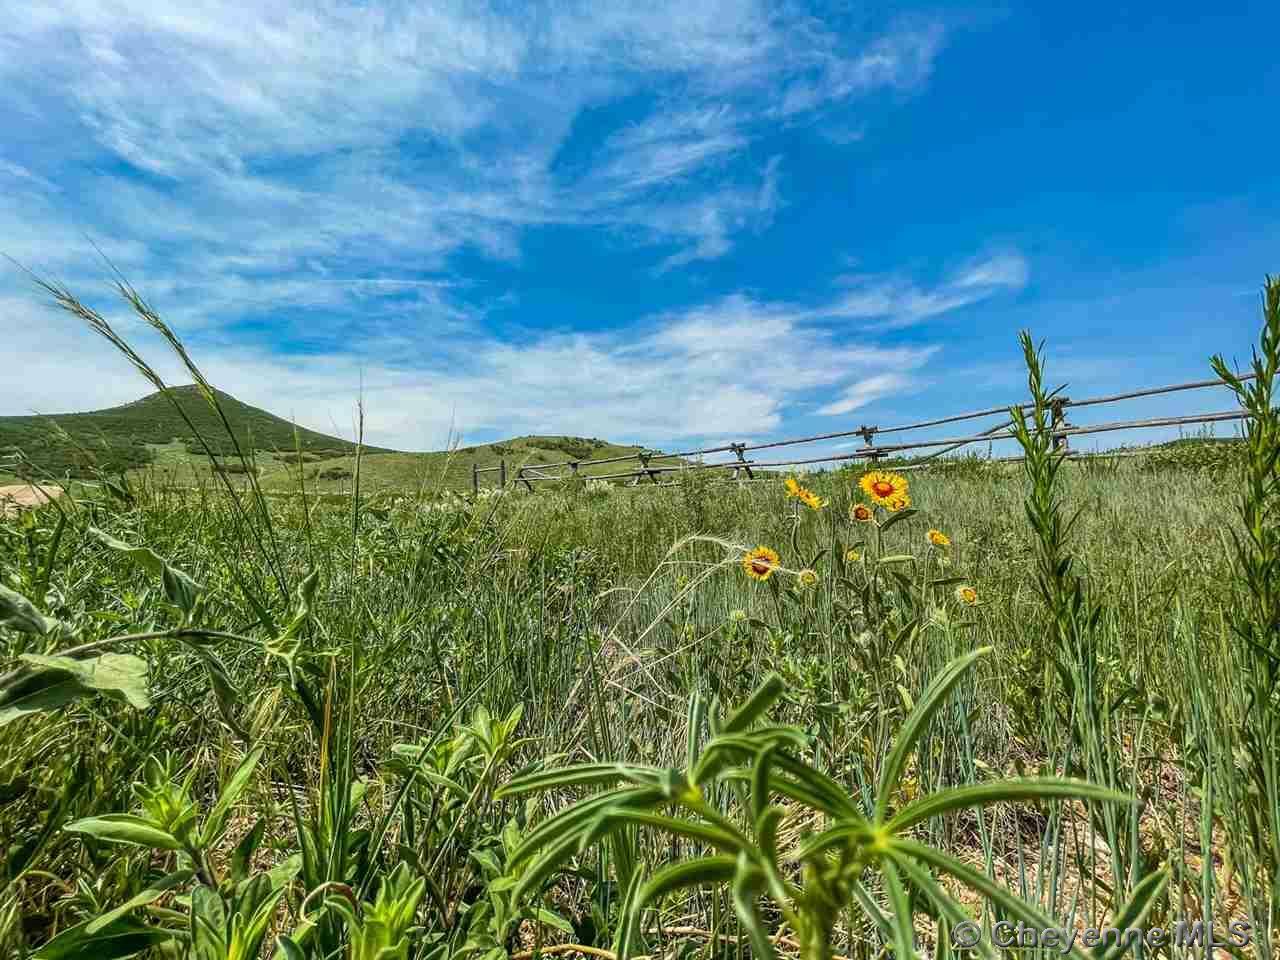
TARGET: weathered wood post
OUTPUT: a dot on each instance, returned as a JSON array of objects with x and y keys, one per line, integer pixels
[
  {"x": 1057, "y": 407},
  {"x": 867, "y": 434},
  {"x": 475, "y": 478},
  {"x": 738, "y": 449},
  {"x": 502, "y": 473}
]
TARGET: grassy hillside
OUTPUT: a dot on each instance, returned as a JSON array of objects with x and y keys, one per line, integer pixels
[
  {"x": 129, "y": 436},
  {"x": 450, "y": 469}
]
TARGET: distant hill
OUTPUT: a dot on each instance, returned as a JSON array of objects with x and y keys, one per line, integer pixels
[
  {"x": 452, "y": 469},
  {"x": 149, "y": 434},
  {"x": 130, "y": 436}
]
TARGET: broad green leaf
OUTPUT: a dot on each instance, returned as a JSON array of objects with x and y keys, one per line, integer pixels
[
  {"x": 152, "y": 893},
  {"x": 116, "y": 674},
  {"x": 982, "y": 794},
  {"x": 122, "y": 938},
  {"x": 287, "y": 948},
  {"x": 49, "y": 682},
  {"x": 125, "y": 828}
]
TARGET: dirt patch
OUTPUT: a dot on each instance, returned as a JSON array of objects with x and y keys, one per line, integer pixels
[{"x": 18, "y": 496}]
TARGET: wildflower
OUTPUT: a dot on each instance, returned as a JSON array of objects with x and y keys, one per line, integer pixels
[
  {"x": 888, "y": 490},
  {"x": 938, "y": 538},
  {"x": 760, "y": 563},
  {"x": 852, "y": 556},
  {"x": 737, "y": 616},
  {"x": 807, "y": 577},
  {"x": 804, "y": 494},
  {"x": 967, "y": 595},
  {"x": 861, "y": 513}
]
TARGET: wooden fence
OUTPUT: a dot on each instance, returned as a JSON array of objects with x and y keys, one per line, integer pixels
[{"x": 653, "y": 464}]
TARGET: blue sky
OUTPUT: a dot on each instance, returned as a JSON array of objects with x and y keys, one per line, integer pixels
[{"x": 669, "y": 222}]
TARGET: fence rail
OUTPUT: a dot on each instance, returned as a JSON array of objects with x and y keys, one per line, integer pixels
[{"x": 651, "y": 466}]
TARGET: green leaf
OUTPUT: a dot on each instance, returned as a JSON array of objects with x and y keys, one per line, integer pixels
[
  {"x": 149, "y": 895},
  {"x": 125, "y": 828},
  {"x": 702, "y": 872},
  {"x": 553, "y": 919},
  {"x": 216, "y": 822},
  {"x": 287, "y": 948},
  {"x": 580, "y": 775},
  {"x": 179, "y": 589},
  {"x": 903, "y": 929},
  {"x": 576, "y": 818},
  {"x": 242, "y": 857},
  {"x": 122, "y": 938},
  {"x": 748, "y": 880},
  {"x": 917, "y": 722},
  {"x": 19, "y": 613},
  {"x": 1135, "y": 911},
  {"x": 709, "y": 834},
  {"x": 980, "y": 883},
  {"x": 50, "y": 682},
  {"x": 982, "y": 794},
  {"x": 121, "y": 675},
  {"x": 765, "y": 695},
  {"x": 896, "y": 518}
]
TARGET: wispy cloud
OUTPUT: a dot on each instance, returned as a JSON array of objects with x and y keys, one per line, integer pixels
[{"x": 891, "y": 303}]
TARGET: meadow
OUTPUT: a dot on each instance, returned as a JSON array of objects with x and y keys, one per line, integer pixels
[{"x": 843, "y": 716}]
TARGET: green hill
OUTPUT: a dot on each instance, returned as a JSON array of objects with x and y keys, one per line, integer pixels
[
  {"x": 148, "y": 435},
  {"x": 453, "y": 469},
  {"x": 151, "y": 431}
]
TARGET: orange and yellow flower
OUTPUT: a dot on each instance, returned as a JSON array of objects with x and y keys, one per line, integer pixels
[
  {"x": 888, "y": 490},
  {"x": 861, "y": 513},
  {"x": 760, "y": 563},
  {"x": 804, "y": 494},
  {"x": 967, "y": 595},
  {"x": 938, "y": 538}
]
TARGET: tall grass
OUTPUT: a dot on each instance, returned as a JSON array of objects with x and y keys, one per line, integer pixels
[{"x": 236, "y": 726}]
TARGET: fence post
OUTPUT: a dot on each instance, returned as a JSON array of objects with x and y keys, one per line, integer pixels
[
  {"x": 525, "y": 480},
  {"x": 738, "y": 449},
  {"x": 868, "y": 441},
  {"x": 1057, "y": 407},
  {"x": 502, "y": 473},
  {"x": 475, "y": 478}
]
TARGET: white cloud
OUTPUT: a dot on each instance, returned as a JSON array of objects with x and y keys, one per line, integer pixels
[
  {"x": 729, "y": 368},
  {"x": 894, "y": 303},
  {"x": 867, "y": 391},
  {"x": 287, "y": 132}
]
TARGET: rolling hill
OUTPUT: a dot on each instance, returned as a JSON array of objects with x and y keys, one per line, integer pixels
[
  {"x": 149, "y": 435},
  {"x": 150, "y": 430}
]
